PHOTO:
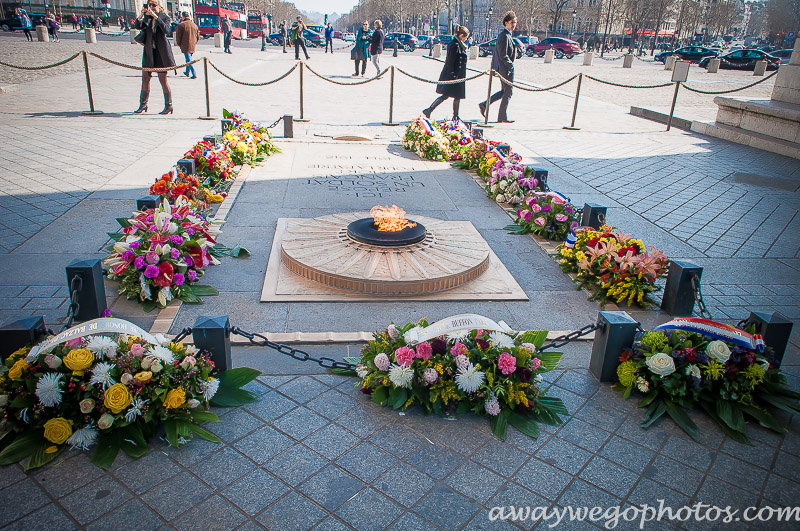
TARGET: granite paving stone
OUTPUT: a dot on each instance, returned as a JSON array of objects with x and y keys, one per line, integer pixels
[
  {"x": 331, "y": 487},
  {"x": 583, "y": 434},
  {"x": 564, "y": 455},
  {"x": 434, "y": 460},
  {"x": 270, "y": 406},
  {"x": 255, "y": 491},
  {"x": 366, "y": 461},
  {"x": 20, "y": 499},
  {"x": 446, "y": 508},
  {"x": 397, "y": 439},
  {"x": 143, "y": 473},
  {"x": 212, "y": 514},
  {"x": 331, "y": 441},
  {"x": 295, "y": 464},
  {"x": 332, "y": 524},
  {"x": 474, "y": 481},
  {"x": 542, "y": 478},
  {"x": 299, "y": 423},
  {"x": 65, "y": 475},
  {"x": 742, "y": 474},
  {"x": 292, "y": 512},
  {"x": 331, "y": 404},
  {"x": 674, "y": 475},
  {"x": 223, "y": 467},
  {"x": 302, "y": 389},
  {"x": 48, "y": 517},
  {"x": 403, "y": 483},
  {"x": 410, "y": 522},
  {"x": 133, "y": 511},
  {"x": 236, "y": 425},
  {"x": 609, "y": 476},
  {"x": 500, "y": 457},
  {"x": 105, "y": 494},
  {"x": 369, "y": 510},
  {"x": 263, "y": 444},
  {"x": 169, "y": 498},
  {"x": 363, "y": 422}
]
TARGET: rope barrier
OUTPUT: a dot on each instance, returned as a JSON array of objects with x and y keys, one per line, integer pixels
[
  {"x": 687, "y": 87},
  {"x": 330, "y": 80},
  {"x": 523, "y": 87},
  {"x": 142, "y": 68},
  {"x": 627, "y": 86},
  {"x": 73, "y": 56},
  {"x": 245, "y": 83},
  {"x": 614, "y": 59},
  {"x": 449, "y": 82}
]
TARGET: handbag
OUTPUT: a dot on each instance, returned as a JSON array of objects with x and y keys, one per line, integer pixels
[
  {"x": 353, "y": 54},
  {"x": 140, "y": 37}
]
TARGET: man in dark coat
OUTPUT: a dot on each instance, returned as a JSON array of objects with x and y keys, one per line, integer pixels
[
  {"x": 283, "y": 35},
  {"x": 227, "y": 32},
  {"x": 455, "y": 67},
  {"x": 376, "y": 46},
  {"x": 503, "y": 64},
  {"x": 187, "y": 35}
]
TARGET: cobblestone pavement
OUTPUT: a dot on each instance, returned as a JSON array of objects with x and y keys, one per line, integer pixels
[{"x": 315, "y": 453}]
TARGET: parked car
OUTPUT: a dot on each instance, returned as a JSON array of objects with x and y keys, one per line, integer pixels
[
  {"x": 783, "y": 55},
  {"x": 316, "y": 28},
  {"x": 565, "y": 47},
  {"x": 524, "y": 39},
  {"x": 744, "y": 60},
  {"x": 312, "y": 38},
  {"x": 13, "y": 23},
  {"x": 337, "y": 34},
  {"x": 487, "y": 48},
  {"x": 692, "y": 54},
  {"x": 444, "y": 40},
  {"x": 405, "y": 41},
  {"x": 349, "y": 37},
  {"x": 425, "y": 41}
]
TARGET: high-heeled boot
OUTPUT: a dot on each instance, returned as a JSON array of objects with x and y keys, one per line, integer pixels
[
  {"x": 143, "y": 97},
  {"x": 167, "y": 104}
]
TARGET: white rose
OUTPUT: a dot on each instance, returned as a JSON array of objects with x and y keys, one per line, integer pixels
[
  {"x": 503, "y": 184},
  {"x": 500, "y": 198},
  {"x": 493, "y": 189},
  {"x": 146, "y": 362},
  {"x": 156, "y": 366},
  {"x": 718, "y": 351},
  {"x": 661, "y": 364}
]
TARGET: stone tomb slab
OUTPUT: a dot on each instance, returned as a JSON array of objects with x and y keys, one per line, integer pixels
[{"x": 282, "y": 285}]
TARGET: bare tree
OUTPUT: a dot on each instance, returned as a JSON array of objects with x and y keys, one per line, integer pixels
[
  {"x": 637, "y": 15},
  {"x": 783, "y": 16},
  {"x": 556, "y": 9}
]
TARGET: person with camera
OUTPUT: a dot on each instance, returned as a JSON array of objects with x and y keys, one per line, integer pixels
[
  {"x": 186, "y": 36},
  {"x": 298, "y": 36},
  {"x": 157, "y": 53},
  {"x": 503, "y": 64}
]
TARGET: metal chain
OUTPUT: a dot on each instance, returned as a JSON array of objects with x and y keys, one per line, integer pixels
[
  {"x": 645, "y": 60},
  {"x": 144, "y": 69},
  {"x": 226, "y": 76},
  {"x": 741, "y": 325},
  {"x": 560, "y": 341},
  {"x": 698, "y": 296},
  {"x": 67, "y": 60},
  {"x": 183, "y": 333},
  {"x": 276, "y": 122},
  {"x": 614, "y": 59},
  {"x": 449, "y": 82},
  {"x": 687, "y": 87},
  {"x": 626, "y": 86},
  {"x": 300, "y": 355},
  {"x": 330, "y": 80},
  {"x": 75, "y": 286}
]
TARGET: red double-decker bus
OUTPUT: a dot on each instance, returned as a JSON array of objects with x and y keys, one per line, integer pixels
[
  {"x": 256, "y": 23},
  {"x": 209, "y": 14}
]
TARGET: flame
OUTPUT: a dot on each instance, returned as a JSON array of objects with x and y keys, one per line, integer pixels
[{"x": 390, "y": 219}]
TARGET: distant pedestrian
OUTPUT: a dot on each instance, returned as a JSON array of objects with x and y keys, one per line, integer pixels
[
  {"x": 360, "y": 52},
  {"x": 328, "y": 37},
  {"x": 52, "y": 25},
  {"x": 284, "y": 35},
  {"x": 187, "y": 35},
  {"x": 455, "y": 67},
  {"x": 157, "y": 52},
  {"x": 227, "y": 32},
  {"x": 24, "y": 22},
  {"x": 503, "y": 63},
  {"x": 298, "y": 36},
  {"x": 376, "y": 46},
  {"x": 74, "y": 21}
]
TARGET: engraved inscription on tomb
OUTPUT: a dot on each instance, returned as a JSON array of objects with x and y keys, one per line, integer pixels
[{"x": 364, "y": 185}]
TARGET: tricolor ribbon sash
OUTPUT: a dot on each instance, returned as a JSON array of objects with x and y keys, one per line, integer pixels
[
  {"x": 715, "y": 330},
  {"x": 558, "y": 197}
]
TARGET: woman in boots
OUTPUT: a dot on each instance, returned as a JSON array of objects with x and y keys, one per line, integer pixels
[
  {"x": 157, "y": 52},
  {"x": 455, "y": 67}
]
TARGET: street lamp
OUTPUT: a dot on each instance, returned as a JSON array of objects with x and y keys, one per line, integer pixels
[
  {"x": 574, "y": 14},
  {"x": 488, "y": 22}
]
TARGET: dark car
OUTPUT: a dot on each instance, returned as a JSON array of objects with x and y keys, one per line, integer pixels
[
  {"x": 563, "y": 47},
  {"x": 783, "y": 55},
  {"x": 312, "y": 38},
  {"x": 444, "y": 40},
  {"x": 424, "y": 41},
  {"x": 487, "y": 48},
  {"x": 744, "y": 60},
  {"x": 693, "y": 54},
  {"x": 13, "y": 23},
  {"x": 405, "y": 41}
]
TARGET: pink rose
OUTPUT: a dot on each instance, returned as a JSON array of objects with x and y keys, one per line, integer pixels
[
  {"x": 404, "y": 356},
  {"x": 459, "y": 349},
  {"x": 137, "y": 350},
  {"x": 540, "y": 221},
  {"x": 74, "y": 343},
  {"x": 188, "y": 362},
  {"x": 561, "y": 217},
  {"x": 507, "y": 363},
  {"x": 536, "y": 208},
  {"x": 424, "y": 351},
  {"x": 536, "y": 363}
]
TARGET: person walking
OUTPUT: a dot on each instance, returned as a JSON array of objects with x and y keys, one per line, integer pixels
[
  {"x": 455, "y": 67},
  {"x": 187, "y": 34},
  {"x": 227, "y": 33},
  {"x": 283, "y": 35},
  {"x": 24, "y": 22},
  {"x": 52, "y": 25},
  {"x": 360, "y": 52},
  {"x": 264, "y": 39},
  {"x": 74, "y": 20},
  {"x": 376, "y": 46},
  {"x": 298, "y": 36},
  {"x": 157, "y": 52},
  {"x": 503, "y": 64},
  {"x": 328, "y": 37}
]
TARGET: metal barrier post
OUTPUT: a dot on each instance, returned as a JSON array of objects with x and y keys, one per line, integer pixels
[
  {"x": 208, "y": 95},
  {"x": 776, "y": 330},
  {"x": 679, "y": 294},
  {"x": 146, "y": 202},
  {"x": 302, "y": 106},
  {"x": 571, "y": 126},
  {"x": 488, "y": 99},
  {"x": 16, "y": 333},
  {"x": 213, "y": 333},
  {"x": 91, "y": 293},
  {"x": 91, "y": 111},
  {"x": 674, "y": 99},
  {"x": 615, "y": 333},
  {"x": 391, "y": 97}
]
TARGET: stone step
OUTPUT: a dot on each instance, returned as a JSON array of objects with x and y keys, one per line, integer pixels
[{"x": 748, "y": 138}]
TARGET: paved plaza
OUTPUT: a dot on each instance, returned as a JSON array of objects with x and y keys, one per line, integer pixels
[{"x": 313, "y": 452}]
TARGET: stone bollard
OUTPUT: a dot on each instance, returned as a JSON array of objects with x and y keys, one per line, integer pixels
[
  {"x": 588, "y": 57},
  {"x": 616, "y": 333},
  {"x": 41, "y": 34},
  {"x": 669, "y": 63},
  {"x": 627, "y": 60},
  {"x": 761, "y": 67},
  {"x": 437, "y": 50},
  {"x": 473, "y": 52},
  {"x": 134, "y": 33},
  {"x": 713, "y": 65},
  {"x": 218, "y": 40},
  {"x": 549, "y": 55},
  {"x": 91, "y": 35}
]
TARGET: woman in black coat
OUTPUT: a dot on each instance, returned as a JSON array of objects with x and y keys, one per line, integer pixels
[
  {"x": 157, "y": 52},
  {"x": 455, "y": 67}
]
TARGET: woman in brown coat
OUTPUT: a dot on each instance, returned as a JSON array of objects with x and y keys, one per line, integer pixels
[
  {"x": 157, "y": 52},
  {"x": 186, "y": 37}
]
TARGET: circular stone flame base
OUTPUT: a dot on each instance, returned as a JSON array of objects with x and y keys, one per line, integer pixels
[{"x": 364, "y": 231}]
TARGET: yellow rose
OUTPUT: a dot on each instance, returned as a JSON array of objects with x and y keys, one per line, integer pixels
[
  {"x": 17, "y": 353},
  {"x": 57, "y": 430},
  {"x": 117, "y": 398},
  {"x": 79, "y": 359},
  {"x": 175, "y": 398},
  {"x": 143, "y": 376},
  {"x": 15, "y": 371}
]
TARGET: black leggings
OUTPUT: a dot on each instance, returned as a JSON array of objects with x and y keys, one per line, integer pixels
[
  {"x": 363, "y": 65},
  {"x": 27, "y": 34}
]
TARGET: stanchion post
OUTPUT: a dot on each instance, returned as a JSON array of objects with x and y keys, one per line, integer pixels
[
  {"x": 91, "y": 111},
  {"x": 615, "y": 333},
  {"x": 91, "y": 293},
  {"x": 391, "y": 97},
  {"x": 301, "y": 90},
  {"x": 571, "y": 126},
  {"x": 488, "y": 99},
  {"x": 672, "y": 109},
  {"x": 213, "y": 333},
  {"x": 16, "y": 333},
  {"x": 679, "y": 294},
  {"x": 208, "y": 94}
]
